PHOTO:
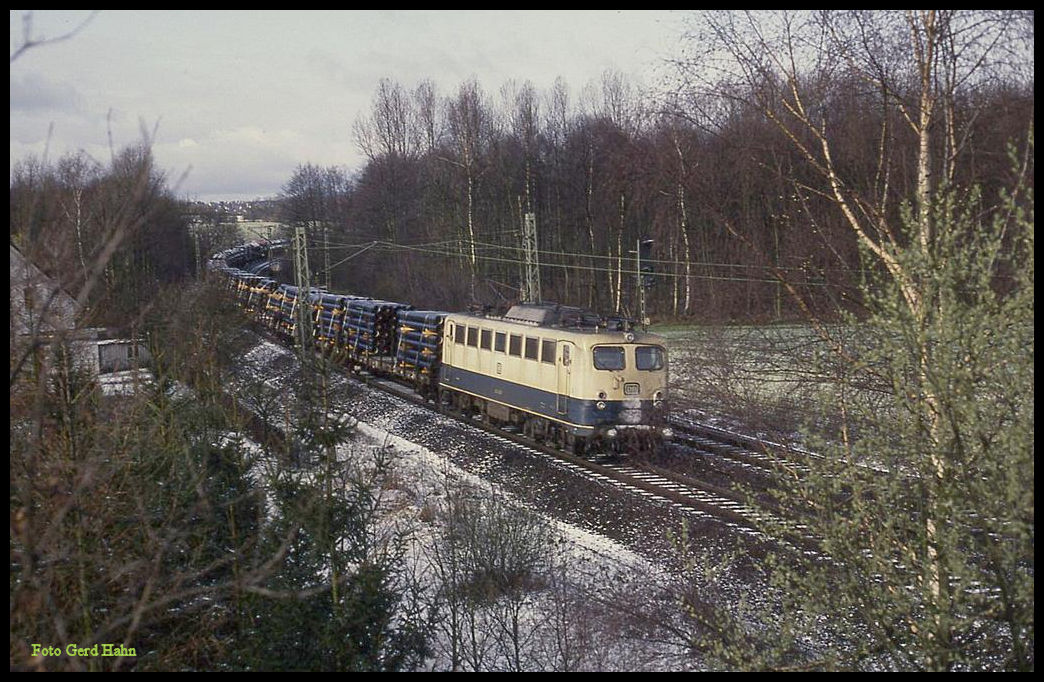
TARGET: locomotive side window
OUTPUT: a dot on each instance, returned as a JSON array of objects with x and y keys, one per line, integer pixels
[
  {"x": 609, "y": 357},
  {"x": 532, "y": 348},
  {"x": 547, "y": 351},
  {"x": 515, "y": 347},
  {"x": 649, "y": 358},
  {"x": 500, "y": 342},
  {"x": 485, "y": 339},
  {"x": 458, "y": 334},
  {"x": 473, "y": 337}
]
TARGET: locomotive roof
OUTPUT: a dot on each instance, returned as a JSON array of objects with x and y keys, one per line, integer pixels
[
  {"x": 562, "y": 318},
  {"x": 565, "y": 317}
]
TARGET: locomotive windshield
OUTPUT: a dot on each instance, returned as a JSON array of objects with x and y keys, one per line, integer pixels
[
  {"x": 649, "y": 358},
  {"x": 609, "y": 357}
]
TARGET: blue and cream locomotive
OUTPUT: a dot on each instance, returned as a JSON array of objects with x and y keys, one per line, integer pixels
[{"x": 558, "y": 374}]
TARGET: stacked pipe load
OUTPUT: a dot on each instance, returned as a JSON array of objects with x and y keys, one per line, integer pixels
[
  {"x": 261, "y": 266},
  {"x": 255, "y": 290},
  {"x": 420, "y": 341},
  {"x": 260, "y": 292},
  {"x": 237, "y": 257},
  {"x": 281, "y": 305},
  {"x": 370, "y": 326},
  {"x": 244, "y": 253},
  {"x": 243, "y": 283},
  {"x": 329, "y": 312}
]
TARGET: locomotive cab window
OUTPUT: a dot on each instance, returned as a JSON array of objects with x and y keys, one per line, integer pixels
[
  {"x": 515, "y": 347},
  {"x": 649, "y": 358},
  {"x": 500, "y": 342},
  {"x": 609, "y": 357},
  {"x": 473, "y": 336},
  {"x": 458, "y": 334},
  {"x": 485, "y": 339}
]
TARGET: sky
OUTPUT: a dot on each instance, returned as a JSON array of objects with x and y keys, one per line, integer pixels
[{"x": 234, "y": 101}]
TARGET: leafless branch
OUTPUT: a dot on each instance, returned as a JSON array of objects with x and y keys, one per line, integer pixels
[{"x": 28, "y": 42}]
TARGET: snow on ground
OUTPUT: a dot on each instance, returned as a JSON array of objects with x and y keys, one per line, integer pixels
[
  {"x": 594, "y": 604},
  {"x": 125, "y": 382},
  {"x": 420, "y": 464},
  {"x": 589, "y": 590}
]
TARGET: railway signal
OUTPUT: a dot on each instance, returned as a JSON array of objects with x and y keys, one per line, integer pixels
[
  {"x": 644, "y": 273},
  {"x": 645, "y": 266}
]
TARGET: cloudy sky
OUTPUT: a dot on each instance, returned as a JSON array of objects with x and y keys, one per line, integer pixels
[{"x": 237, "y": 100}]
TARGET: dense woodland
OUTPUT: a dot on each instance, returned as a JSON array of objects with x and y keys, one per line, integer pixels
[
  {"x": 726, "y": 196},
  {"x": 871, "y": 168}
]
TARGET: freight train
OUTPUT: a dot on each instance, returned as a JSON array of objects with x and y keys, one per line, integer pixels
[{"x": 555, "y": 373}]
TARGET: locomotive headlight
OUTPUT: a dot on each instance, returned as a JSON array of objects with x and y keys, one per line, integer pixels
[
  {"x": 667, "y": 433},
  {"x": 600, "y": 405},
  {"x": 629, "y": 337},
  {"x": 658, "y": 399},
  {"x": 610, "y": 433}
]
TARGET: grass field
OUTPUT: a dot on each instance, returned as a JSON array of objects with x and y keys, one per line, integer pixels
[{"x": 773, "y": 379}]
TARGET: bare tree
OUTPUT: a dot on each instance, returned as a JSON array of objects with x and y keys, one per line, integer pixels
[
  {"x": 470, "y": 129},
  {"x": 391, "y": 129},
  {"x": 426, "y": 101}
]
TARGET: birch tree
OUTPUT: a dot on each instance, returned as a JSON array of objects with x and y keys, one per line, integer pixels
[
  {"x": 469, "y": 125},
  {"x": 914, "y": 544}
]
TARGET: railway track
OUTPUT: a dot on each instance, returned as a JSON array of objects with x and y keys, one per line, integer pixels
[
  {"x": 751, "y": 451},
  {"x": 648, "y": 483}
]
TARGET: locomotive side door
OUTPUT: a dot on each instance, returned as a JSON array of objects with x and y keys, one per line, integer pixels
[
  {"x": 566, "y": 354},
  {"x": 447, "y": 345}
]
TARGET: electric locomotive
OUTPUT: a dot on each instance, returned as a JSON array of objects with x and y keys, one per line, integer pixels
[{"x": 559, "y": 374}]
